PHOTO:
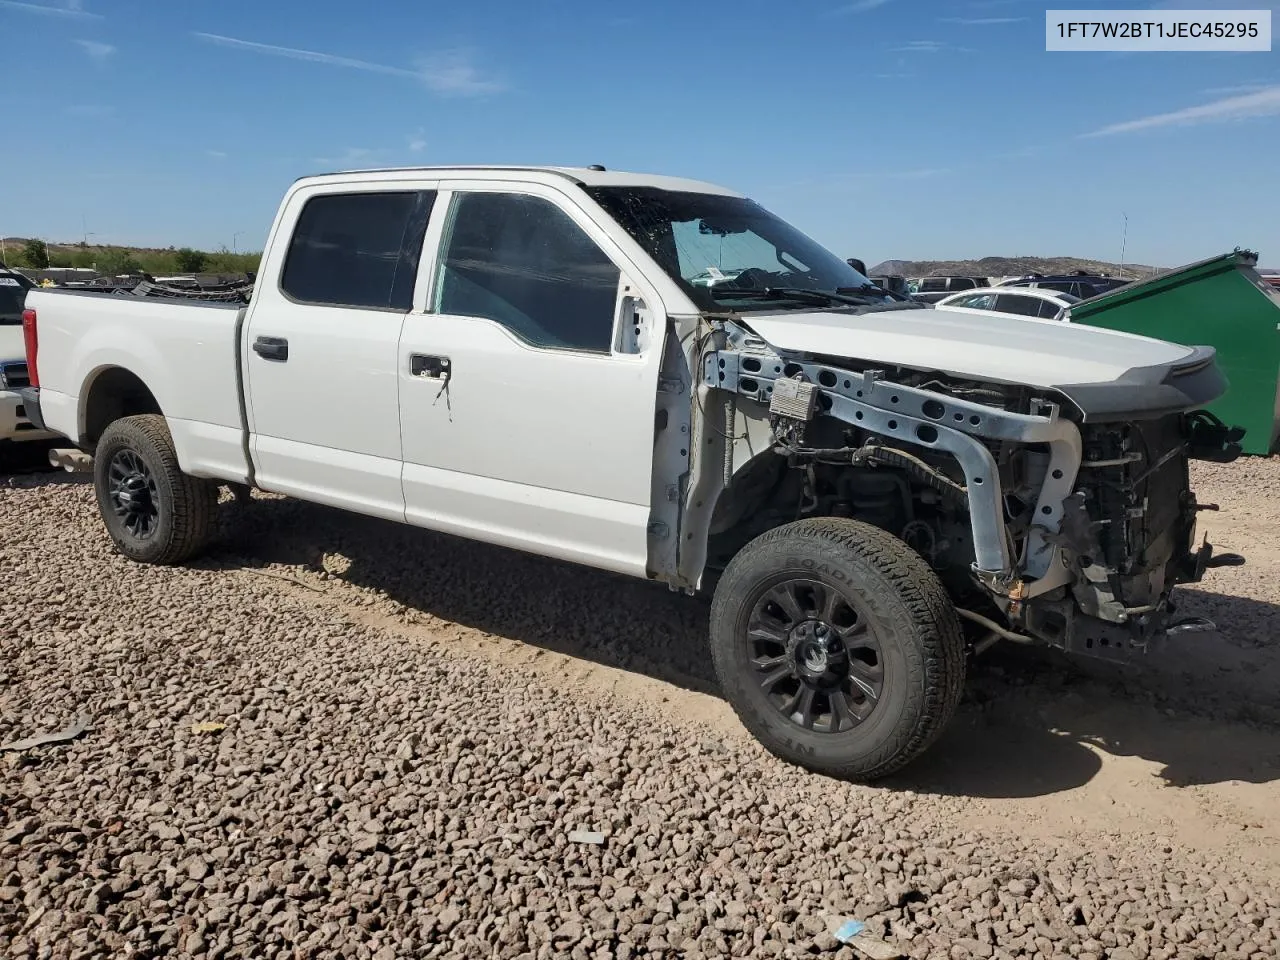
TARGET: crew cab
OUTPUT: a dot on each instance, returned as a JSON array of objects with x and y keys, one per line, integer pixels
[{"x": 658, "y": 377}]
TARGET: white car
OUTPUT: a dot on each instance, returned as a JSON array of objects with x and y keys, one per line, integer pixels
[
  {"x": 526, "y": 356},
  {"x": 1022, "y": 301}
]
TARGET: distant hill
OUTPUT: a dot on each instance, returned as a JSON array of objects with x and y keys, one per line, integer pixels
[{"x": 1008, "y": 267}]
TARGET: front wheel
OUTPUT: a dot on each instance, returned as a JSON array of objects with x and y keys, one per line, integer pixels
[
  {"x": 838, "y": 647},
  {"x": 153, "y": 511}
]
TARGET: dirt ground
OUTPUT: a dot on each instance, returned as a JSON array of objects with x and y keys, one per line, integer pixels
[{"x": 1060, "y": 783}]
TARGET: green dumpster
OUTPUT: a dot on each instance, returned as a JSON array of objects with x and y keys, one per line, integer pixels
[{"x": 1224, "y": 303}]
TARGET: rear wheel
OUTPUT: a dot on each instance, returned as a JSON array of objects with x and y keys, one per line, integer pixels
[
  {"x": 838, "y": 647},
  {"x": 153, "y": 511}
]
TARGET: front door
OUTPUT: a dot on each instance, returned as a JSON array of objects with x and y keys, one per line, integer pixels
[
  {"x": 320, "y": 345},
  {"x": 526, "y": 407}
]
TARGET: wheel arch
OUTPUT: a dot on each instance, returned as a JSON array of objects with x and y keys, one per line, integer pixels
[{"x": 110, "y": 393}]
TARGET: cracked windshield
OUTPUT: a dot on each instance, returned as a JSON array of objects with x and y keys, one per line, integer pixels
[{"x": 729, "y": 252}]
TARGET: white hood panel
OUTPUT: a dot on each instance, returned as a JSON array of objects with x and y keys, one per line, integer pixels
[{"x": 970, "y": 343}]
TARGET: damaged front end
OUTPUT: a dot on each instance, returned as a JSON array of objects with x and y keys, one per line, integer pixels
[
  {"x": 1129, "y": 535},
  {"x": 1077, "y": 502}
]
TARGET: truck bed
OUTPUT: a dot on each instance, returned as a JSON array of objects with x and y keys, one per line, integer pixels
[{"x": 185, "y": 351}]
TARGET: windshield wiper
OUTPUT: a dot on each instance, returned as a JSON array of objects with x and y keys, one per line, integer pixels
[
  {"x": 825, "y": 297},
  {"x": 871, "y": 288}
]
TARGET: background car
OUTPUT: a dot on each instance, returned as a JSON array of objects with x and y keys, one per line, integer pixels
[
  {"x": 1023, "y": 301},
  {"x": 933, "y": 289},
  {"x": 1082, "y": 286},
  {"x": 894, "y": 284}
]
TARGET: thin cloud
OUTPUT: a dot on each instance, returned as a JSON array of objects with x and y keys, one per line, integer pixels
[
  {"x": 1235, "y": 90},
  {"x": 448, "y": 74},
  {"x": 353, "y": 157},
  {"x": 310, "y": 56},
  {"x": 929, "y": 46},
  {"x": 216, "y": 154},
  {"x": 453, "y": 74},
  {"x": 71, "y": 9},
  {"x": 982, "y": 21},
  {"x": 920, "y": 46},
  {"x": 1262, "y": 103},
  {"x": 96, "y": 50},
  {"x": 349, "y": 157},
  {"x": 861, "y": 6}
]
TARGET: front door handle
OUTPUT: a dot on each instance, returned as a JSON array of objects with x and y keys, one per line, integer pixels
[
  {"x": 272, "y": 348},
  {"x": 429, "y": 367}
]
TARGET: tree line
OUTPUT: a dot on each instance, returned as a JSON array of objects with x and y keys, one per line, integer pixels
[{"x": 112, "y": 261}]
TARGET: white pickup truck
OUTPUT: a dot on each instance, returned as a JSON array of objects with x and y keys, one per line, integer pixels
[{"x": 657, "y": 377}]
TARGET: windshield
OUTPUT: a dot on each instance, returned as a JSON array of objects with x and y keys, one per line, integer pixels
[{"x": 725, "y": 251}]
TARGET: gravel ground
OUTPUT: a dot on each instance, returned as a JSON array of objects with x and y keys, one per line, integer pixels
[{"x": 402, "y": 729}]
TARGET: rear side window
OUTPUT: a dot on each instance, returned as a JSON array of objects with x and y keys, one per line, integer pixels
[
  {"x": 357, "y": 249},
  {"x": 522, "y": 262},
  {"x": 1022, "y": 306},
  {"x": 962, "y": 283},
  {"x": 933, "y": 285},
  {"x": 1049, "y": 309}
]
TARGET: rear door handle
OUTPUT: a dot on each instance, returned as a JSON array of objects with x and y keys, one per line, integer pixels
[
  {"x": 272, "y": 348},
  {"x": 429, "y": 367}
]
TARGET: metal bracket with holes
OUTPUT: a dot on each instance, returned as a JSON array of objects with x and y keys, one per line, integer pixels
[{"x": 939, "y": 422}]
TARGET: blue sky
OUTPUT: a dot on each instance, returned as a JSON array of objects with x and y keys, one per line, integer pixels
[{"x": 884, "y": 128}]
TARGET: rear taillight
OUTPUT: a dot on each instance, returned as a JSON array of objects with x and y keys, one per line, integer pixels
[{"x": 33, "y": 344}]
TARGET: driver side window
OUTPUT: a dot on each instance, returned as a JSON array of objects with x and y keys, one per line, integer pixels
[{"x": 522, "y": 262}]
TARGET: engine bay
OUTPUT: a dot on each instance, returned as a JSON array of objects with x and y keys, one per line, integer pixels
[{"x": 1043, "y": 525}]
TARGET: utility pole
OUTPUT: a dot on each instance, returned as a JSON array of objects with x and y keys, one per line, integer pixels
[
  {"x": 1124, "y": 239},
  {"x": 233, "y": 240}
]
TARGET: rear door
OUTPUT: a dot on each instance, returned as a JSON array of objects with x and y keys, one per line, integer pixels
[
  {"x": 527, "y": 390},
  {"x": 320, "y": 344}
]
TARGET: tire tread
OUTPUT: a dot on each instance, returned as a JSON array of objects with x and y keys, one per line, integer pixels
[
  {"x": 194, "y": 500},
  {"x": 931, "y": 611}
]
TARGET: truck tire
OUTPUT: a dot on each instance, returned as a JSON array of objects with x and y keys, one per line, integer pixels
[
  {"x": 838, "y": 647},
  {"x": 153, "y": 511}
]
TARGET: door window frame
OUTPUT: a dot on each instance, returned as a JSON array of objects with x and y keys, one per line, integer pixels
[
  {"x": 630, "y": 275},
  {"x": 280, "y": 240},
  {"x": 417, "y": 194}
]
